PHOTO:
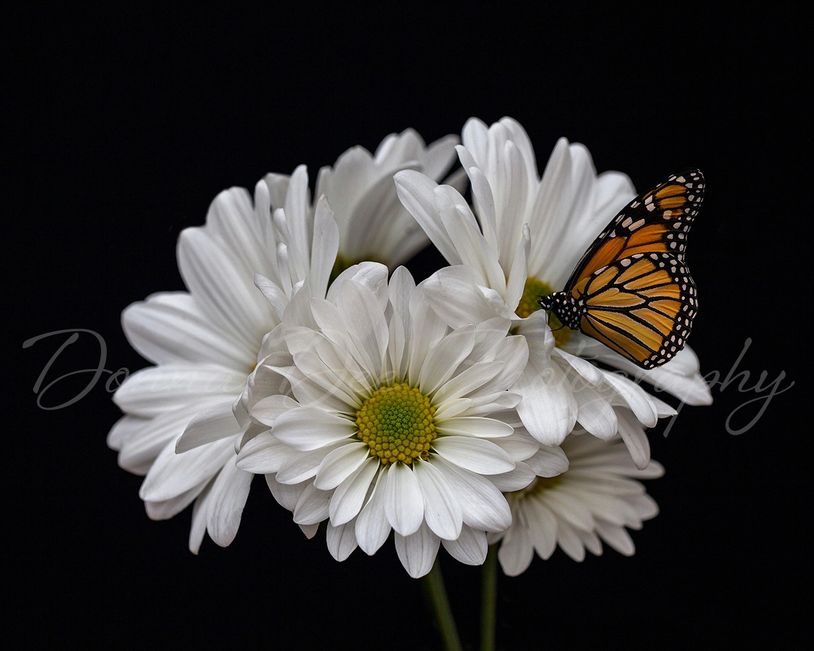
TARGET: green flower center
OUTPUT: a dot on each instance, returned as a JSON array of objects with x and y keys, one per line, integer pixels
[
  {"x": 532, "y": 290},
  {"x": 398, "y": 423}
]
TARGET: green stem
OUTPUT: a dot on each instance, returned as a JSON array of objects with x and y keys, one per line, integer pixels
[
  {"x": 488, "y": 601},
  {"x": 436, "y": 594}
]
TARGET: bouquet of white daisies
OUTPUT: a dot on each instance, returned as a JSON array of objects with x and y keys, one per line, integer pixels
[{"x": 453, "y": 413}]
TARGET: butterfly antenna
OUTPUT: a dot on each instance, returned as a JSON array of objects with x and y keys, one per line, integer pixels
[
  {"x": 548, "y": 317},
  {"x": 549, "y": 314}
]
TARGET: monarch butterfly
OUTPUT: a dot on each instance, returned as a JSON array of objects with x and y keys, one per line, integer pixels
[{"x": 632, "y": 290}]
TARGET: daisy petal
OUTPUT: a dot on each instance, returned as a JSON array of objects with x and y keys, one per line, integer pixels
[
  {"x": 475, "y": 426},
  {"x": 439, "y": 156},
  {"x": 570, "y": 542},
  {"x": 590, "y": 541},
  {"x": 444, "y": 358},
  {"x": 595, "y": 414},
  {"x": 341, "y": 540},
  {"x": 264, "y": 454},
  {"x": 215, "y": 423},
  {"x": 469, "y": 548},
  {"x": 140, "y": 449},
  {"x": 372, "y": 527},
  {"x": 268, "y": 409},
  {"x": 286, "y": 495},
  {"x": 634, "y": 397},
  {"x": 349, "y": 496},
  {"x": 173, "y": 474},
  {"x": 340, "y": 464},
  {"x": 172, "y": 507},
  {"x": 226, "y": 500},
  {"x": 516, "y": 552},
  {"x": 548, "y": 408},
  {"x": 416, "y": 193},
  {"x": 548, "y": 462},
  {"x": 123, "y": 430},
  {"x": 469, "y": 380},
  {"x": 645, "y": 506},
  {"x": 198, "y": 528},
  {"x": 153, "y": 391},
  {"x": 477, "y": 455},
  {"x": 482, "y": 504},
  {"x": 403, "y": 501},
  {"x": 634, "y": 437},
  {"x": 224, "y": 290},
  {"x": 455, "y": 295},
  {"x": 514, "y": 480},
  {"x": 542, "y": 528},
  {"x": 442, "y": 510},
  {"x": 417, "y": 551},
  {"x": 679, "y": 376},
  {"x": 297, "y": 468},
  {"x": 309, "y": 428},
  {"x": 312, "y": 506},
  {"x": 170, "y": 328},
  {"x": 617, "y": 538},
  {"x": 324, "y": 247},
  {"x": 309, "y": 530},
  {"x": 519, "y": 446}
]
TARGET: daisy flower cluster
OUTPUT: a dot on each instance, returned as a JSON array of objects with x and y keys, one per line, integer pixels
[{"x": 452, "y": 413}]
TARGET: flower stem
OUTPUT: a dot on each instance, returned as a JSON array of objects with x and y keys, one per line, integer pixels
[
  {"x": 488, "y": 601},
  {"x": 436, "y": 594}
]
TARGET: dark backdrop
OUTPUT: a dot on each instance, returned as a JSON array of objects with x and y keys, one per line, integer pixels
[{"x": 130, "y": 122}]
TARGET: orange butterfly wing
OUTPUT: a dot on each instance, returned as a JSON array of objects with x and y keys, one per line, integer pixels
[
  {"x": 641, "y": 306},
  {"x": 636, "y": 293},
  {"x": 656, "y": 222}
]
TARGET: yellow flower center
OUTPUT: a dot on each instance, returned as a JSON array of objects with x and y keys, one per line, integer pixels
[
  {"x": 532, "y": 290},
  {"x": 398, "y": 423}
]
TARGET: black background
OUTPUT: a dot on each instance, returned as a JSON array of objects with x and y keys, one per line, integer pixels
[{"x": 130, "y": 122}]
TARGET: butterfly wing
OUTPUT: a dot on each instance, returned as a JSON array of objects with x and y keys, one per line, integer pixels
[
  {"x": 642, "y": 306},
  {"x": 658, "y": 221},
  {"x": 637, "y": 294}
]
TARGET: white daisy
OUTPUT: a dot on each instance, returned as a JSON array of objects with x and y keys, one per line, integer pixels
[
  {"x": 397, "y": 422},
  {"x": 373, "y": 224},
  {"x": 179, "y": 428},
  {"x": 528, "y": 235},
  {"x": 594, "y": 501},
  {"x": 207, "y": 341}
]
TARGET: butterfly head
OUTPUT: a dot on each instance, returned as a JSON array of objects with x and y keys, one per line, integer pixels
[{"x": 564, "y": 306}]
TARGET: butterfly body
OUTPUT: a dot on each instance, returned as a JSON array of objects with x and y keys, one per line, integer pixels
[
  {"x": 632, "y": 290},
  {"x": 569, "y": 310}
]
